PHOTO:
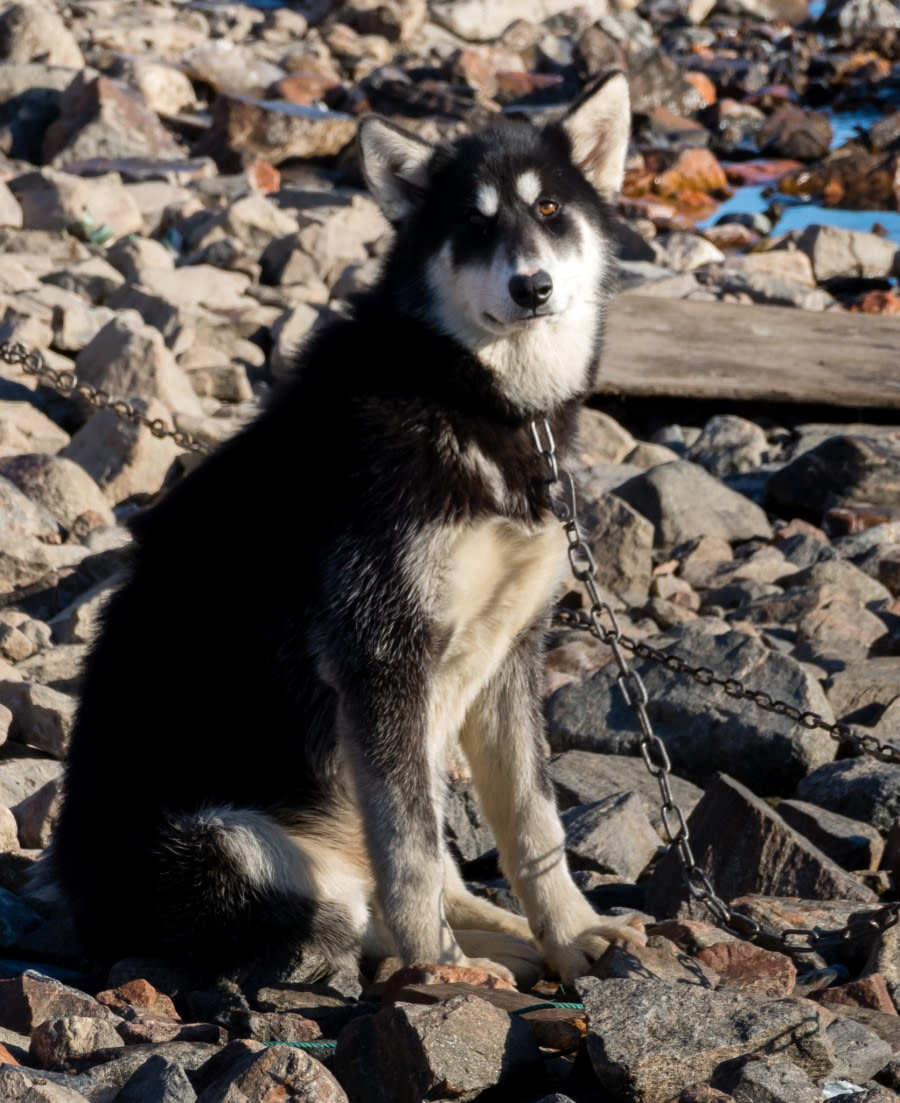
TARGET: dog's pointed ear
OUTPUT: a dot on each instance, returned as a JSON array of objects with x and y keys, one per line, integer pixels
[
  {"x": 395, "y": 166},
  {"x": 599, "y": 126}
]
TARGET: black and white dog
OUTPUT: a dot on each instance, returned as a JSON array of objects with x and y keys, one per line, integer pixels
[{"x": 363, "y": 577}]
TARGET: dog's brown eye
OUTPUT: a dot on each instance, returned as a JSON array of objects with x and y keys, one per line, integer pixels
[{"x": 547, "y": 208}]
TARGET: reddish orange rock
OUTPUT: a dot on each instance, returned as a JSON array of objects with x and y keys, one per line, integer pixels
[
  {"x": 703, "y": 85},
  {"x": 870, "y": 991},
  {"x": 263, "y": 177},
  {"x": 138, "y": 994},
  {"x": 424, "y": 973},
  {"x": 304, "y": 87},
  {"x": 6, "y": 1058},
  {"x": 693, "y": 169},
  {"x": 751, "y": 173},
  {"x": 877, "y": 302},
  {"x": 751, "y": 968}
]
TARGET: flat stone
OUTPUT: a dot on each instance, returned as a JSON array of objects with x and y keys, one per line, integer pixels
[
  {"x": 456, "y": 1049},
  {"x": 862, "y": 788},
  {"x": 703, "y": 729},
  {"x": 581, "y": 777},
  {"x": 764, "y": 856},
  {"x": 772, "y": 1080},
  {"x": 611, "y": 835},
  {"x": 851, "y": 843},
  {"x": 648, "y": 1039},
  {"x": 858, "y": 1051},
  {"x": 683, "y": 501},
  {"x": 749, "y": 968}
]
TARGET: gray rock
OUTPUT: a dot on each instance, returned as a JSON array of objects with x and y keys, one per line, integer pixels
[
  {"x": 772, "y": 1080},
  {"x": 468, "y": 833},
  {"x": 839, "y": 471},
  {"x": 276, "y": 1071},
  {"x": 837, "y": 252},
  {"x": 581, "y": 777},
  {"x": 59, "y": 668},
  {"x": 601, "y": 439},
  {"x": 480, "y": 20},
  {"x": 33, "y": 998},
  {"x": 124, "y": 459},
  {"x": 62, "y": 487},
  {"x": 157, "y": 1081},
  {"x": 101, "y": 118},
  {"x": 612, "y": 835},
  {"x": 52, "y": 200},
  {"x": 33, "y": 31},
  {"x": 19, "y": 514},
  {"x": 685, "y": 252},
  {"x": 859, "y": 1054},
  {"x": 729, "y": 445},
  {"x": 703, "y": 728},
  {"x": 763, "y": 855},
  {"x": 760, "y": 288},
  {"x": 30, "y": 94},
  {"x": 843, "y": 575},
  {"x": 42, "y": 717},
  {"x": 851, "y": 843},
  {"x": 36, "y": 815},
  {"x": 133, "y": 256},
  {"x": 649, "y": 1039},
  {"x": 129, "y": 359},
  {"x": 115, "y": 1072},
  {"x": 862, "y": 788},
  {"x": 21, "y": 774},
  {"x": 9, "y": 833},
  {"x": 18, "y": 1085},
  {"x": 95, "y": 279},
  {"x": 455, "y": 1049},
  {"x": 683, "y": 501},
  {"x": 863, "y": 689},
  {"x": 621, "y": 541},
  {"x": 23, "y": 428},
  {"x": 56, "y": 1043}
]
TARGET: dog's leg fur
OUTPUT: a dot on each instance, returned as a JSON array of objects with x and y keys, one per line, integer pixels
[{"x": 503, "y": 740}]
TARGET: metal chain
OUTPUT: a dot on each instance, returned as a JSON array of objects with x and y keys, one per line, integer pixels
[
  {"x": 67, "y": 383},
  {"x": 561, "y": 494}
]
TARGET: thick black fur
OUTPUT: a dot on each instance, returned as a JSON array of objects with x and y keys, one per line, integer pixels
[{"x": 266, "y": 581}]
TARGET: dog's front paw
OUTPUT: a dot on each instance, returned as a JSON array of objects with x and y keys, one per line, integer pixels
[{"x": 574, "y": 958}]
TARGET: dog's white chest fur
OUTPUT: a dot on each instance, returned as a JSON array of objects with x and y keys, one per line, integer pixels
[{"x": 493, "y": 579}]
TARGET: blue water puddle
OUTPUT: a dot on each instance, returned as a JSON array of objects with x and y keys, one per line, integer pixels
[{"x": 798, "y": 215}]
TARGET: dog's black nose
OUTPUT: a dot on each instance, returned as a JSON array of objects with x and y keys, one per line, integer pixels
[{"x": 531, "y": 291}]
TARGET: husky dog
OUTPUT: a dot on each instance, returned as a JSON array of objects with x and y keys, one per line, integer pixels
[{"x": 356, "y": 580}]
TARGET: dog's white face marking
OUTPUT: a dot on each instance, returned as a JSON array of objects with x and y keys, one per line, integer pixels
[
  {"x": 528, "y": 187},
  {"x": 487, "y": 200},
  {"x": 538, "y": 361}
]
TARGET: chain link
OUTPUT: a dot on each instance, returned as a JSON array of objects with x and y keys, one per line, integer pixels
[
  {"x": 561, "y": 492},
  {"x": 67, "y": 384}
]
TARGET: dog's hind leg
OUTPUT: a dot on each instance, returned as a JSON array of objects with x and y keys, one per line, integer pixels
[
  {"x": 485, "y": 931},
  {"x": 235, "y": 888},
  {"x": 503, "y": 740}
]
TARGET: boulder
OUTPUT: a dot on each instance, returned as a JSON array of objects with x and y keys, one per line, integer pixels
[
  {"x": 612, "y": 835},
  {"x": 62, "y": 487},
  {"x": 683, "y": 502},
  {"x": 862, "y": 788},
  {"x": 703, "y": 728}
]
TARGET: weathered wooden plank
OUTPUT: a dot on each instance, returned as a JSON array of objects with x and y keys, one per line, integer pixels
[{"x": 681, "y": 349}]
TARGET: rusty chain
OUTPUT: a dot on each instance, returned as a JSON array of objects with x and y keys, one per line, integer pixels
[
  {"x": 68, "y": 384},
  {"x": 561, "y": 490},
  {"x": 561, "y": 494}
]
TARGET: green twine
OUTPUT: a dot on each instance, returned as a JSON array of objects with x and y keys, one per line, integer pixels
[
  {"x": 548, "y": 1004},
  {"x": 305, "y": 1045}
]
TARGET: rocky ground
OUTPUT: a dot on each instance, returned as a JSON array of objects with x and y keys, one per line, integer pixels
[{"x": 179, "y": 205}]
